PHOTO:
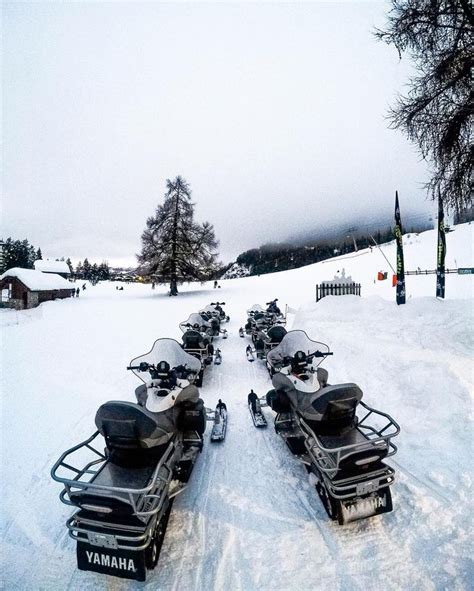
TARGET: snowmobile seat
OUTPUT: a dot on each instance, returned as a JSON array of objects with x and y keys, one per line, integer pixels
[{"x": 134, "y": 435}]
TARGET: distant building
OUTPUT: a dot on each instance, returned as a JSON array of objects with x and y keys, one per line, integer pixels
[
  {"x": 58, "y": 267},
  {"x": 27, "y": 288}
]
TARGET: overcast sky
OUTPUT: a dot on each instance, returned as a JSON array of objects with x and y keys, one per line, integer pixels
[{"x": 274, "y": 113}]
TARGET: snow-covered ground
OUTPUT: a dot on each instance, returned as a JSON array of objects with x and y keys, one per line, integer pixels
[{"x": 249, "y": 518}]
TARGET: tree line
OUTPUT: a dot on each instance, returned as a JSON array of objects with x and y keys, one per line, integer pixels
[
  {"x": 271, "y": 258},
  {"x": 94, "y": 272},
  {"x": 20, "y": 253}
]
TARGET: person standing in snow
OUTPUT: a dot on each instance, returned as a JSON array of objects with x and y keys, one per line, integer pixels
[{"x": 77, "y": 292}]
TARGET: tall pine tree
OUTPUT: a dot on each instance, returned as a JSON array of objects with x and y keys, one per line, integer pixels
[{"x": 174, "y": 247}]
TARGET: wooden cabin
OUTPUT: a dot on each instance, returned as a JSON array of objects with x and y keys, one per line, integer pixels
[{"x": 27, "y": 288}]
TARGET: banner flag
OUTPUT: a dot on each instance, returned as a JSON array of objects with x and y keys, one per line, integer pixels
[
  {"x": 440, "y": 271},
  {"x": 401, "y": 293}
]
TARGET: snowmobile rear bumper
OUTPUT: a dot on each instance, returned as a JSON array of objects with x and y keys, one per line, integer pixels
[
  {"x": 362, "y": 485},
  {"x": 119, "y": 527},
  {"x": 109, "y": 549}
]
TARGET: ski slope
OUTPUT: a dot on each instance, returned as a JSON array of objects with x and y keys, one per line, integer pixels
[{"x": 250, "y": 519}]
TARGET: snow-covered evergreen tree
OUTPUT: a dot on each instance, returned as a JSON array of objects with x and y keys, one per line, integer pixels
[
  {"x": 18, "y": 253},
  {"x": 86, "y": 269},
  {"x": 174, "y": 247}
]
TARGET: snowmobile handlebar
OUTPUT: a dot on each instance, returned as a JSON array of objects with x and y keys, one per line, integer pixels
[
  {"x": 181, "y": 369},
  {"x": 288, "y": 359},
  {"x": 217, "y": 303},
  {"x": 272, "y": 302}
]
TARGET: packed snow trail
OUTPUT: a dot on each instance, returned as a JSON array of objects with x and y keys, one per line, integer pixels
[{"x": 249, "y": 518}]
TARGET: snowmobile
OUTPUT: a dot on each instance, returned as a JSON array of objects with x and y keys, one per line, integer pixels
[
  {"x": 256, "y": 318},
  {"x": 343, "y": 453},
  {"x": 197, "y": 341},
  {"x": 272, "y": 308},
  {"x": 123, "y": 494},
  {"x": 219, "y": 427},
  {"x": 255, "y": 408},
  {"x": 211, "y": 315},
  {"x": 260, "y": 319},
  {"x": 264, "y": 341},
  {"x": 218, "y": 307}
]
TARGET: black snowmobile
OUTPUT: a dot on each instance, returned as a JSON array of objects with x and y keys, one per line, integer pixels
[
  {"x": 211, "y": 315},
  {"x": 265, "y": 340},
  {"x": 273, "y": 309},
  {"x": 259, "y": 319},
  {"x": 218, "y": 308},
  {"x": 343, "y": 453},
  {"x": 124, "y": 493},
  {"x": 197, "y": 341}
]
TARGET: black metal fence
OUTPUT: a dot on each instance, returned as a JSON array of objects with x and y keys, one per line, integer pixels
[
  {"x": 325, "y": 289},
  {"x": 429, "y": 272}
]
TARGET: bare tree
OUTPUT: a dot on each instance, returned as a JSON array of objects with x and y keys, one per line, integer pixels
[
  {"x": 174, "y": 247},
  {"x": 437, "y": 111}
]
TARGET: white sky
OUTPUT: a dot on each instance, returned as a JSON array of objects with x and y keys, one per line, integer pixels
[{"x": 274, "y": 113}]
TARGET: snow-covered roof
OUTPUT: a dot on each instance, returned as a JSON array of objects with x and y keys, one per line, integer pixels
[
  {"x": 48, "y": 266},
  {"x": 36, "y": 280}
]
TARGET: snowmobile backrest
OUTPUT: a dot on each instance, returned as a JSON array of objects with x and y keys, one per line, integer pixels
[
  {"x": 337, "y": 404},
  {"x": 276, "y": 334},
  {"x": 192, "y": 339},
  {"x": 126, "y": 425}
]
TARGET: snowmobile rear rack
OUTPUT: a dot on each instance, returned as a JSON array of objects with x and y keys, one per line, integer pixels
[
  {"x": 144, "y": 495},
  {"x": 328, "y": 453}
]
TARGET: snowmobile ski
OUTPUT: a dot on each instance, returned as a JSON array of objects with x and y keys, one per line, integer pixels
[
  {"x": 219, "y": 427},
  {"x": 249, "y": 353},
  {"x": 255, "y": 409}
]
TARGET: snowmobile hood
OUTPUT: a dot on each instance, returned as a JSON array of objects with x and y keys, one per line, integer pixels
[
  {"x": 286, "y": 381},
  {"x": 155, "y": 403}
]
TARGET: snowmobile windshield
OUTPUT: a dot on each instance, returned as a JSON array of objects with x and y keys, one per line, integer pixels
[
  {"x": 293, "y": 342},
  {"x": 256, "y": 308},
  {"x": 193, "y": 320},
  {"x": 165, "y": 350}
]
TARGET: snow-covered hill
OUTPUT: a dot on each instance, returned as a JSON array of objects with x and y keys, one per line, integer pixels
[{"x": 250, "y": 519}]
